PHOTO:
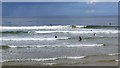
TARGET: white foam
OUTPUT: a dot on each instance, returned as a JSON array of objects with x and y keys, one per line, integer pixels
[
  {"x": 41, "y": 59},
  {"x": 71, "y": 46},
  {"x": 35, "y": 27},
  {"x": 85, "y": 45},
  {"x": 80, "y": 31},
  {"x": 76, "y": 57},
  {"x": 31, "y": 39},
  {"x": 113, "y": 54},
  {"x": 45, "y": 59},
  {"x": 117, "y": 60},
  {"x": 50, "y": 64},
  {"x": 13, "y": 46}
]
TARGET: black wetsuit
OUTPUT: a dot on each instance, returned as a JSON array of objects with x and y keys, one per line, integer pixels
[
  {"x": 80, "y": 39},
  {"x": 55, "y": 36},
  {"x": 94, "y": 34}
]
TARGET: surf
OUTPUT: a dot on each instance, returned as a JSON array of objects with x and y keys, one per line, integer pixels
[
  {"x": 51, "y": 46},
  {"x": 46, "y": 59},
  {"x": 32, "y": 39},
  {"x": 37, "y": 27},
  {"x": 80, "y": 31}
]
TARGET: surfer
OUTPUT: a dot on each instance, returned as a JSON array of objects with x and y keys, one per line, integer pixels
[
  {"x": 80, "y": 39},
  {"x": 55, "y": 36},
  {"x": 94, "y": 34}
]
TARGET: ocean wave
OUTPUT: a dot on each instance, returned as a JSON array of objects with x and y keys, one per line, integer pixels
[
  {"x": 44, "y": 46},
  {"x": 37, "y": 27},
  {"x": 45, "y": 59},
  {"x": 97, "y": 26},
  {"x": 42, "y": 59},
  {"x": 49, "y": 64},
  {"x": 77, "y": 57},
  {"x": 14, "y": 32},
  {"x": 117, "y": 60},
  {"x": 113, "y": 54},
  {"x": 80, "y": 32},
  {"x": 32, "y": 39}
]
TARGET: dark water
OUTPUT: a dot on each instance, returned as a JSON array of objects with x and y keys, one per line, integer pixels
[{"x": 37, "y": 21}]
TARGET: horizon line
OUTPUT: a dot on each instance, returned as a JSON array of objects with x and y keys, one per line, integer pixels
[{"x": 56, "y": 16}]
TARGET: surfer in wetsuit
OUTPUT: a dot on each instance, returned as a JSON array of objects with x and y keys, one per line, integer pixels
[
  {"x": 94, "y": 34},
  {"x": 80, "y": 39},
  {"x": 55, "y": 36}
]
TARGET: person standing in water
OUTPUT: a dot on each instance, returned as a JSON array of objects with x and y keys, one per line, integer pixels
[{"x": 80, "y": 39}]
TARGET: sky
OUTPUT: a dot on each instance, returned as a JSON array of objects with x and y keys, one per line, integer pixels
[
  {"x": 36, "y": 9},
  {"x": 56, "y": 8}
]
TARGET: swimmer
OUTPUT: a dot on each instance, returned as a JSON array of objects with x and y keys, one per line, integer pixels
[{"x": 55, "y": 36}]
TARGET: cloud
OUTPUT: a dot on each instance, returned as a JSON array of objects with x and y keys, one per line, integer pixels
[
  {"x": 108, "y": 0},
  {"x": 91, "y": 2}
]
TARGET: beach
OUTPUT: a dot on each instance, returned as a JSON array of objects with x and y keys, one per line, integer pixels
[{"x": 82, "y": 33}]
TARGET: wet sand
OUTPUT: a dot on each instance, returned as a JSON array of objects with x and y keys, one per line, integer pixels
[{"x": 101, "y": 60}]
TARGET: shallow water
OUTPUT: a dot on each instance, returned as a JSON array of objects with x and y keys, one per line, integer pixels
[{"x": 38, "y": 46}]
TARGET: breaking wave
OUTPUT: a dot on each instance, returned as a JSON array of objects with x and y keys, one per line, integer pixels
[
  {"x": 113, "y": 54},
  {"x": 14, "y": 32},
  {"x": 96, "y": 26},
  {"x": 38, "y": 27},
  {"x": 80, "y": 32},
  {"x": 44, "y": 46},
  {"x": 46, "y": 59},
  {"x": 32, "y": 39}
]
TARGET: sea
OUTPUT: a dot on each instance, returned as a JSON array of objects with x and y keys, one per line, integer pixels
[{"x": 55, "y": 41}]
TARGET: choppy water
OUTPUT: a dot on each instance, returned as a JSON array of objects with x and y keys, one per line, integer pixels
[
  {"x": 38, "y": 44},
  {"x": 30, "y": 41}
]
